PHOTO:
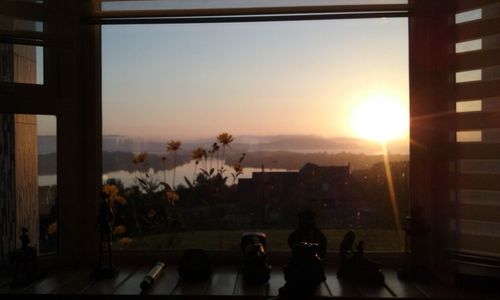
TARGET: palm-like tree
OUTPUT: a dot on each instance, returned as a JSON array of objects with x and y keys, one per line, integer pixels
[
  {"x": 225, "y": 139},
  {"x": 173, "y": 147}
]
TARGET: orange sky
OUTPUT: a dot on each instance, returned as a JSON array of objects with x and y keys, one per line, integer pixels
[{"x": 303, "y": 77}]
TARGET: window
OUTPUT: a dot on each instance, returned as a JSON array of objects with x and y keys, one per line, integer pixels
[
  {"x": 304, "y": 105},
  {"x": 21, "y": 63},
  {"x": 28, "y": 181}
]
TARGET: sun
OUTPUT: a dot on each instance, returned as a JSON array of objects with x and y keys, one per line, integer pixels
[{"x": 380, "y": 118}]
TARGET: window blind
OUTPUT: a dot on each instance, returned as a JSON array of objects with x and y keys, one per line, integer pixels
[{"x": 476, "y": 131}]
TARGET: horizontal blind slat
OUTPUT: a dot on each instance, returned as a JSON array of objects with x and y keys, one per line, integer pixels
[
  {"x": 478, "y": 89},
  {"x": 477, "y": 59},
  {"x": 477, "y": 29},
  {"x": 476, "y": 181},
  {"x": 477, "y": 151},
  {"x": 477, "y": 120},
  {"x": 479, "y": 212},
  {"x": 479, "y": 243}
]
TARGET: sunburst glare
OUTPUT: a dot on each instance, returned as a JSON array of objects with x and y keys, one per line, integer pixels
[{"x": 380, "y": 118}]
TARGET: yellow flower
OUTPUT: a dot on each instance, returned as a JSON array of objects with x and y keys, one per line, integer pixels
[
  {"x": 172, "y": 197},
  {"x": 119, "y": 230},
  {"x": 111, "y": 192},
  {"x": 225, "y": 138},
  {"x": 199, "y": 153},
  {"x": 173, "y": 146},
  {"x": 125, "y": 241},
  {"x": 52, "y": 229}
]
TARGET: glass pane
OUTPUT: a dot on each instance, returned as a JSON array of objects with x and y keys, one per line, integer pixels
[
  {"x": 27, "y": 198},
  {"x": 187, "y": 4},
  {"x": 21, "y": 63},
  {"x": 311, "y": 109}
]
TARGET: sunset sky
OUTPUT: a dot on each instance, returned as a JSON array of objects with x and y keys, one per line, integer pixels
[{"x": 303, "y": 77}]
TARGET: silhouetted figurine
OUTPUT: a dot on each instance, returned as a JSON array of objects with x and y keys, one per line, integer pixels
[
  {"x": 308, "y": 232},
  {"x": 105, "y": 267},
  {"x": 354, "y": 265},
  {"x": 304, "y": 272},
  {"x": 23, "y": 261},
  {"x": 255, "y": 265}
]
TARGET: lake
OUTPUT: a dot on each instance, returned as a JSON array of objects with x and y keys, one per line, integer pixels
[{"x": 186, "y": 170}]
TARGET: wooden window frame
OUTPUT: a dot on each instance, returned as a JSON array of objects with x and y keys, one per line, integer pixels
[{"x": 96, "y": 19}]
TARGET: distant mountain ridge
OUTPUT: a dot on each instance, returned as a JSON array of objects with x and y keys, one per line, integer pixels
[{"x": 245, "y": 143}]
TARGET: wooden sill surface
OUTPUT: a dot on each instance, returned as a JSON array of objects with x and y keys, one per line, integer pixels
[{"x": 226, "y": 282}]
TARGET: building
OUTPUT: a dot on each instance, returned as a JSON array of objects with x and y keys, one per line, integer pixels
[{"x": 280, "y": 195}]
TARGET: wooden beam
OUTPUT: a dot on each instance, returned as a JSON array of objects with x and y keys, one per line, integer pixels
[
  {"x": 246, "y": 11},
  {"x": 236, "y": 19}
]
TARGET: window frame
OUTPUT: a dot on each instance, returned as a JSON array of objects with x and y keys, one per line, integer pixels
[{"x": 243, "y": 15}]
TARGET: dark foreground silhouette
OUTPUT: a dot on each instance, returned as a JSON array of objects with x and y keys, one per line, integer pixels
[{"x": 354, "y": 265}]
